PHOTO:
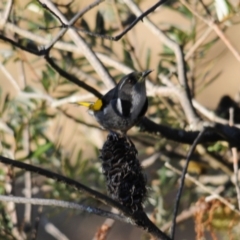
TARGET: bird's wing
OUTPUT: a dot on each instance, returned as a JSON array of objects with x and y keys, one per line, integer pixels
[
  {"x": 110, "y": 95},
  {"x": 121, "y": 107},
  {"x": 144, "y": 109}
]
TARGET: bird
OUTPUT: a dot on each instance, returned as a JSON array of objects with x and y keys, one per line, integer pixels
[{"x": 123, "y": 106}]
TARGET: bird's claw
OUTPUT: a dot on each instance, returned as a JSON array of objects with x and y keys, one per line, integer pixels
[
  {"x": 114, "y": 135},
  {"x": 132, "y": 146}
]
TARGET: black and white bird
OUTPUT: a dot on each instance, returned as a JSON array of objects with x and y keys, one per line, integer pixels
[{"x": 124, "y": 105}]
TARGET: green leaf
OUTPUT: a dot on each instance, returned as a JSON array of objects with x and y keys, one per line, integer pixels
[
  {"x": 99, "y": 25},
  {"x": 185, "y": 11},
  {"x": 148, "y": 58},
  {"x": 216, "y": 147},
  {"x": 85, "y": 25},
  {"x": 127, "y": 59},
  {"x": 42, "y": 149}
]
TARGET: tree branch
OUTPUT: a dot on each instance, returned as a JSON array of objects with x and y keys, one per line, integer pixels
[
  {"x": 80, "y": 42},
  {"x": 63, "y": 204},
  {"x": 139, "y": 218}
]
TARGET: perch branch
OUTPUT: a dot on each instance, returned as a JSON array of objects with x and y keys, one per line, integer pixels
[{"x": 191, "y": 115}]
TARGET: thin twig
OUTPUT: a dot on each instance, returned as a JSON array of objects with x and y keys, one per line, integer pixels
[
  {"x": 28, "y": 194},
  {"x": 119, "y": 36},
  {"x": 41, "y": 96},
  {"x": 150, "y": 160},
  {"x": 209, "y": 114},
  {"x": 173, "y": 89},
  {"x": 152, "y": 89},
  {"x": 235, "y": 159},
  {"x": 36, "y": 224},
  {"x": 182, "y": 181},
  {"x": 184, "y": 215},
  {"x": 132, "y": 49},
  {"x": 63, "y": 204},
  {"x": 6, "y": 13},
  {"x": 212, "y": 24},
  {"x": 51, "y": 62},
  {"x": 198, "y": 43},
  {"x": 235, "y": 169},
  {"x": 70, "y": 23},
  {"x": 11, "y": 207},
  {"x": 52, "y": 230},
  {"x": 72, "y": 78},
  {"x": 10, "y": 78},
  {"x": 71, "y": 99},
  {"x": 184, "y": 101},
  {"x": 206, "y": 9},
  {"x": 81, "y": 43},
  {"x": 204, "y": 188},
  {"x": 26, "y": 147},
  {"x": 226, "y": 41},
  {"x": 59, "y": 178},
  {"x": 185, "y": 96},
  {"x": 105, "y": 228}
]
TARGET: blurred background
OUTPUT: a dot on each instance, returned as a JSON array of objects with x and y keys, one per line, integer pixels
[{"x": 41, "y": 124}]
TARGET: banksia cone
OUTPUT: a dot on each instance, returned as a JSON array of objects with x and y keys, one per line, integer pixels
[{"x": 125, "y": 180}]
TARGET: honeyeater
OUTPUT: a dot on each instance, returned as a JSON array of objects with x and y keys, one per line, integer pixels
[{"x": 123, "y": 106}]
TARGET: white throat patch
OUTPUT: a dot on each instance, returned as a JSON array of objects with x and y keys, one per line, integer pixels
[{"x": 119, "y": 106}]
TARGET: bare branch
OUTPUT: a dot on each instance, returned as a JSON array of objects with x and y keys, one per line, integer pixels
[
  {"x": 10, "y": 78},
  {"x": 80, "y": 42},
  {"x": 235, "y": 160},
  {"x": 204, "y": 188},
  {"x": 191, "y": 115},
  {"x": 139, "y": 218},
  {"x": 196, "y": 141},
  {"x": 184, "y": 215},
  {"x": 62, "y": 19},
  {"x": 63, "y": 73},
  {"x": 72, "y": 78},
  {"x": 208, "y": 114},
  {"x": 60, "y": 178},
  {"x": 52, "y": 230},
  {"x": 235, "y": 169},
  {"x": 63, "y": 204},
  {"x": 197, "y": 43},
  {"x": 212, "y": 24},
  {"x": 105, "y": 228},
  {"x": 126, "y": 30},
  {"x": 6, "y": 13}
]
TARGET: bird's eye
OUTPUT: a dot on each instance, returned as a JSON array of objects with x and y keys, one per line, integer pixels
[{"x": 131, "y": 80}]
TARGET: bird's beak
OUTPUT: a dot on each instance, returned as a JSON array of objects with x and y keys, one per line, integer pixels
[
  {"x": 145, "y": 73},
  {"x": 143, "y": 76}
]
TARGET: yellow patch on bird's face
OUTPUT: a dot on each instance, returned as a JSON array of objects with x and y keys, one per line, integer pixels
[
  {"x": 97, "y": 105},
  {"x": 92, "y": 106}
]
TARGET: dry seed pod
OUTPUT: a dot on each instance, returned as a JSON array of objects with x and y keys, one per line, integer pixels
[{"x": 125, "y": 180}]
